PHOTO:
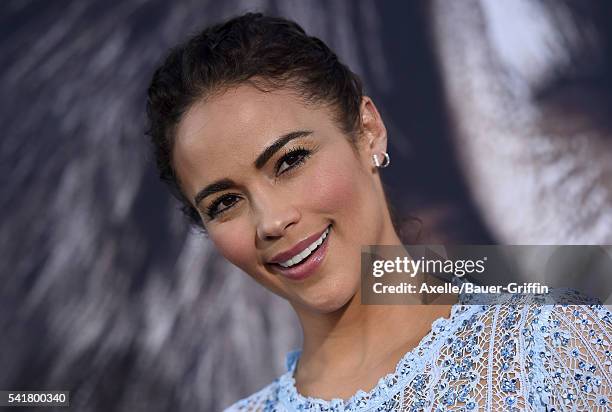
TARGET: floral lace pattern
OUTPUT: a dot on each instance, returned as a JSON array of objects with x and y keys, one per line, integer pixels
[{"x": 512, "y": 356}]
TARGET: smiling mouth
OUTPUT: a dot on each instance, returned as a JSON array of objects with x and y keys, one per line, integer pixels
[
  {"x": 305, "y": 263},
  {"x": 303, "y": 256}
]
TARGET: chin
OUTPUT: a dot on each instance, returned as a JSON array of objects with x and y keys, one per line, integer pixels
[
  {"x": 332, "y": 300},
  {"x": 323, "y": 308}
]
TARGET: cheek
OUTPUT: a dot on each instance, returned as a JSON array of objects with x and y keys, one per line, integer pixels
[
  {"x": 337, "y": 187},
  {"x": 235, "y": 244}
]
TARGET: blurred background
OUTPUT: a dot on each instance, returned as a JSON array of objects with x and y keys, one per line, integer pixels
[{"x": 498, "y": 116}]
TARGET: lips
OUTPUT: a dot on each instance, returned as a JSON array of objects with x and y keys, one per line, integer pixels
[
  {"x": 307, "y": 266},
  {"x": 297, "y": 249}
]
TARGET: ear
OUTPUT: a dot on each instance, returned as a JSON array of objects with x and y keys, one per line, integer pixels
[{"x": 373, "y": 139}]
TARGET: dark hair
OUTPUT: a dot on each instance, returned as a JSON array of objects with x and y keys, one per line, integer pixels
[{"x": 268, "y": 52}]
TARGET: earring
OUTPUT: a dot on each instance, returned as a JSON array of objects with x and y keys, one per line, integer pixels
[{"x": 385, "y": 163}]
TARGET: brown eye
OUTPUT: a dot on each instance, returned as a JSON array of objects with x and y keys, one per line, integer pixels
[
  {"x": 291, "y": 160},
  {"x": 222, "y": 204}
]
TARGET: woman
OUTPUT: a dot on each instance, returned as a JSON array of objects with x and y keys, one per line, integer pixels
[{"x": 275, "y": 152}]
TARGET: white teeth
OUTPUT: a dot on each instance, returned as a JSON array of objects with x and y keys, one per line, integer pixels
[{"x": 306, "y": 252}]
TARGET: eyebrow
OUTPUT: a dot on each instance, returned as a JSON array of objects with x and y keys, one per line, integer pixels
[{"x": 260, "y": 162}]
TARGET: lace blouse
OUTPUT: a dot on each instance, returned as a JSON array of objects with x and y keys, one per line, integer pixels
[{"x": 512, "y": 356}]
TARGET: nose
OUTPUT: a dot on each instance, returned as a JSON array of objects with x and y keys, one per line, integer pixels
[{"x": 274, "y": 217}]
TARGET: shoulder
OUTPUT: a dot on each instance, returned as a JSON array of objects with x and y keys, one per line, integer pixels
[
  {"x": 268, "y": 398},
  {"x": 557, "y": 347},
  {"x": 578, "y": 328},
  {"x": 574, "y": 355},
  {"x": 263, "y": 400},
  {"x": 576, "y": 316}
]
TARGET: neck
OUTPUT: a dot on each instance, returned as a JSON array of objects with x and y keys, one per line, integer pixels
[{"x": 362, "y": 337}]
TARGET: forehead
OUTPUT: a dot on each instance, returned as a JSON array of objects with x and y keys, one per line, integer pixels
[
  {"x": 223, "y": 134},
  {"x": 231, "y": 128},
  {"x": 235, "y": 116}
]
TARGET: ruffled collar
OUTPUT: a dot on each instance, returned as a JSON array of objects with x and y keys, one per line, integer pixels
[{"x": 408, "y": 367}]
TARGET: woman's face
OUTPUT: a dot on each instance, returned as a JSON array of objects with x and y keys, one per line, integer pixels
[{"x": 282, "y": 172}]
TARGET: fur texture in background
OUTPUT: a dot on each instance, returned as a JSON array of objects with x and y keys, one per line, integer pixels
[{"x": 105, "y": 290}]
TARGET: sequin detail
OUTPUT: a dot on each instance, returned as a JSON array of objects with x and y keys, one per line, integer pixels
[{"x": 514, "y": 356}]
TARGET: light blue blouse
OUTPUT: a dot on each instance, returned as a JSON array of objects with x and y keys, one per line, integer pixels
[{"x": 512, "y": 356}]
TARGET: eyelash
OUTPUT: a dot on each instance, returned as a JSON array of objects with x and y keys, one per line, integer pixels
[
  {"x": 305, "y": 153},
  {"x": 301, "y": 151}
]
